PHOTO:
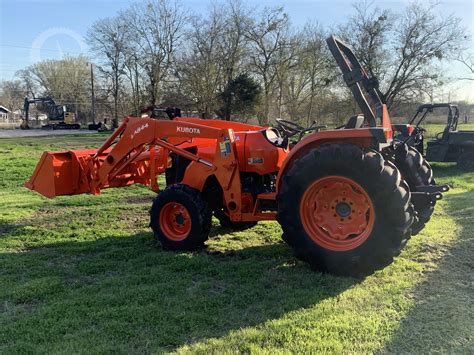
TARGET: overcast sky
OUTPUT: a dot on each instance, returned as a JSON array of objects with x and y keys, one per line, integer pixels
[{"x": 32, "y": 30}]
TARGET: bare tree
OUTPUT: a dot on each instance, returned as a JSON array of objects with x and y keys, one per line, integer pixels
[
  {"x": 199, "y": 69},
  {"x": 266, "y": 36},
  {"x": 214, "y": 57},
  {"x": 12, "y": 93},
  {"x": 156, "y": 51},
  {"x": 157, "y": 28},
  {"x": 318, "y": 65},
  {"x": 403, "y": 50},
  {"x": 468, "y": 61},
  {"x": 133, "y": 73},
  {"x": 109, "y": 39},
  {"x": 232, "y": 47},
  {"x": 310, "y": 75},
  {"x": 287, "y": 61},
  {"x": 66, "y": 80},
  {"x": 368, "y": 31}
]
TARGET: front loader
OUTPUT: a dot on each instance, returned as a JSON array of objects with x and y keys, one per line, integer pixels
[{"x": 343, "y": 205}]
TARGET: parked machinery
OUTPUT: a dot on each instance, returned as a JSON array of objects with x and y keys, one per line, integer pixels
[
  {"x": 450, "y": 145},
  {"x": 343, "y": 205},
  {"x": 58, "y": 116}
]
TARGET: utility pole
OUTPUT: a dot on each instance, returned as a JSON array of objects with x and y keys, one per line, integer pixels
[
  {"x": 137, "y": 103},
  {"x": 93, "y": 95}
]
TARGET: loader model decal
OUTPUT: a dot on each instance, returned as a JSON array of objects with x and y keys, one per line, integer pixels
[
  {"x": 139, "y": 129},
  {"x": 189, "y": 130}
]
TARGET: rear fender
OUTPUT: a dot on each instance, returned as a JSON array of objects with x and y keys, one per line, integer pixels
[{"x": 362, "y": 137}]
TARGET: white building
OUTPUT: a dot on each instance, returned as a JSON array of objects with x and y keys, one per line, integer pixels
[{"x": 4, "y": 112}]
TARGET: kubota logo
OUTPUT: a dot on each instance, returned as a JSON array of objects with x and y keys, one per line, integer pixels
[
  {"x": 139, "y": 129},
  {"x": 191, "y": 130}
]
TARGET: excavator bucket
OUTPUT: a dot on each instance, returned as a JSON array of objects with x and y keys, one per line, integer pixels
[{"x": 61, "y": 173}]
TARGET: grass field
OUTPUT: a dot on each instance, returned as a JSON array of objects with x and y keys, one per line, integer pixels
[
  {"x": 432, "y": 129},
  {"x": 83, "y": 274}
]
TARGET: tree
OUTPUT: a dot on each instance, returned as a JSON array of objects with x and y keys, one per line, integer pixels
[
  {"x": 12, "y": 93},
  {"x": 240, "y": 97},
  {"x": 109, "y": 38},
  {"x": 304, "y": 72},
  {"x": 232, "y": 46},
  {"x": 214, "y": 56},
  {"x": 266, "y": 36},
  {"x": 403, "y": 50},
  {"x": 66, "y": 80},
  {"x": 199, "y": 70},
  {"x": 468, "y": 62},
  {"x": 133, "y": 74},
  {"x": 317, "y": 65},
  {"x": 156, "y": 28},
  {"x": 287, "y": 62}
]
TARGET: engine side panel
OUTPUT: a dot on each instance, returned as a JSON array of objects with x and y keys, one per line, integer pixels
[{"x": 259, "y": 155}]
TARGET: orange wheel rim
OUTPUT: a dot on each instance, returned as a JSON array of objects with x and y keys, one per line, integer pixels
[
  {"x": 175, "y": 221},
  {"x": 337, "y": 213}
]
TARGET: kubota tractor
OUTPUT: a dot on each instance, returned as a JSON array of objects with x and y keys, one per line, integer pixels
[{"x": 343, "y": 205}]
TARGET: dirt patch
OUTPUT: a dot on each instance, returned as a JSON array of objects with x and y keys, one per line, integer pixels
[
  {"x": 17, "y": 133},
  {"x": 138, "y": 200},
  {"x": 135, "y": 219}
]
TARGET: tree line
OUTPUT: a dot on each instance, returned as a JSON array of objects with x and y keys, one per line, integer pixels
[{"x": 237, "y": 61}]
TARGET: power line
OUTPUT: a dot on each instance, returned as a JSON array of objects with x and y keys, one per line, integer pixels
[
  {"x": 82, "y": 103},
  {"x": 39, "y": 48}
]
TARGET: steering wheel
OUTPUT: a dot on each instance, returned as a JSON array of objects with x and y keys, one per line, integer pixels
[{"x": 289, "y": 128}]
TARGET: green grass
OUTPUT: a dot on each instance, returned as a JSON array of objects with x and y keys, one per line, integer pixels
[
  {"x": 433, "y": 128},
  {"x": 83, "y": 274}
]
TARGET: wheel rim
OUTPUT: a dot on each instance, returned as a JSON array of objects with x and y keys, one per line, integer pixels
[
  {"x": 175, "y": 221},
  {"x": 337, "y": 213}
]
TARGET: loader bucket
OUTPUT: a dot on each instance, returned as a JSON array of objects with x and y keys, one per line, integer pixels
[{"x": 61, "y": 173}]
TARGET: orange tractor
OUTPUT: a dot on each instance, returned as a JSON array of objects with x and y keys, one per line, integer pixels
[{"x": 342, "y": 203}]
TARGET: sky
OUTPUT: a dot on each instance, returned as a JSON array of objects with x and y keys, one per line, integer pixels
[{"x": 34, "y": 30}]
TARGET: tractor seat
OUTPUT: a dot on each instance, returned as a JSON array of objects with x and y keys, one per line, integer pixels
[{"x": 355, "y": 122}]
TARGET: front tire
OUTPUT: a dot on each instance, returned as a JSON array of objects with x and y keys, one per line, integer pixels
[
  {"x": 180, "y": 218},
  {"x": 344, "y": 210}
]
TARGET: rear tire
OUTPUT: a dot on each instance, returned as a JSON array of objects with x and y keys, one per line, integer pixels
[
  {"x": 364, "y": 176},
  {"x": 416, "y": 171},
  {"x": 180, "y": 218}
]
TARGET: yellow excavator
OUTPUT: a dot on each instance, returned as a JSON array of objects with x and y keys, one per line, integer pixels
[{"x": 58, "y": 116}]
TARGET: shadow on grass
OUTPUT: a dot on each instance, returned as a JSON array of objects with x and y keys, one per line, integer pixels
[
  {"x": 122, "y": 294},
  {"x": 441, "y": 320}
]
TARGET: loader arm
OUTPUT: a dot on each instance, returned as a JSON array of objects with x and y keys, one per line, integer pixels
[{"x": 137, "y": 152}]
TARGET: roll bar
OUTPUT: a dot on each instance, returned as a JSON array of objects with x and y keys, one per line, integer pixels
[
  {"x": 358, "y": 80},
  {"x": 423, "y": 110}
]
